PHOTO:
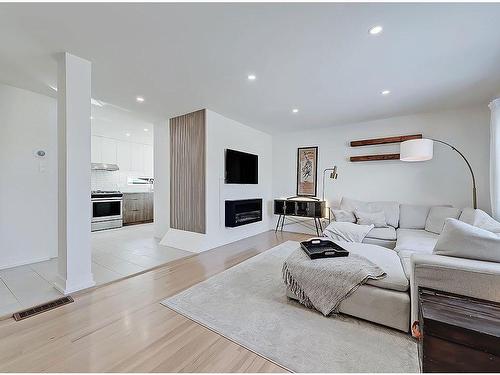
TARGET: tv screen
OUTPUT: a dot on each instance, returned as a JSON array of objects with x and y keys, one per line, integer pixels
[{"x": 241, "y": 168}]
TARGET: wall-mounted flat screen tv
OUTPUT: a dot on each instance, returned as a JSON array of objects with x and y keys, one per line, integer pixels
[{"x": 241, "y": 168}]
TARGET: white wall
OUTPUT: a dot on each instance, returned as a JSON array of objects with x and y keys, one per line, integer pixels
[
  {"x": 223, "y": 133},
  {"x": 444, "y": 179},
  {"x": 28, "y": 184}
]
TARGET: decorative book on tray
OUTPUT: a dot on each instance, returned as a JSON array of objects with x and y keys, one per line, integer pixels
[{"x": 317, "y": 248}]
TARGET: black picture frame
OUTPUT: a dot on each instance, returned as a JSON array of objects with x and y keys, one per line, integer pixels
[{"x": 302, "y": 189}]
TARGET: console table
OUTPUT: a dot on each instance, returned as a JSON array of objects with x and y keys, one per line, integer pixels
[{"x": 299, "y": 208}]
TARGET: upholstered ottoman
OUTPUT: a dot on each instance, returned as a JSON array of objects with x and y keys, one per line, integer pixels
[{"x": 385, "y": 301}]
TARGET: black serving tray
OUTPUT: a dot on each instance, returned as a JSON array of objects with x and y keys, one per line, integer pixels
[{"x": 317, "y": 249}]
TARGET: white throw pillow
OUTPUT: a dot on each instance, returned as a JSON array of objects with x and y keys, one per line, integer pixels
[
  {"x": 480, "y": 219},
  {"x": 369, "y": 218},
  {"x": 344, "y": 216},
  {"x": 462, "y": 240},
  {"x": 437, "y": 216},
  {"x": 390, "y": 209}
]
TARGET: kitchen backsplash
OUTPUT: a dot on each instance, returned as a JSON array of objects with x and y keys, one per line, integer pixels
[{"x": 117, "y": 180}]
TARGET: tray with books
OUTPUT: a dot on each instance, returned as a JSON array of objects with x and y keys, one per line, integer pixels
[{"x": 318, "y": 248}]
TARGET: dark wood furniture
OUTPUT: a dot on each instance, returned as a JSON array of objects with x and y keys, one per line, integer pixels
[
  {"x": 380, "y": 141},
  {"x": 458, "y": 334},
  {"x": 309, "y": 208},
  {"x": 385, "y": 140},
  {"x": 137, "y": 208}
]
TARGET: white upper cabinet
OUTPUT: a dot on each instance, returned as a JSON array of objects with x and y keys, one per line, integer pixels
[
  {"x": 123, "y": 155},
  {"x": 137, "y": 162},
  {"x": 96, "y": 149},
  {"x": 148, "y": 160},
  {"x": 108, "y": 151}
]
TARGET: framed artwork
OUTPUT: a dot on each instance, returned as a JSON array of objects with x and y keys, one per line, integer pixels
[{"x": 307, "y": 168}]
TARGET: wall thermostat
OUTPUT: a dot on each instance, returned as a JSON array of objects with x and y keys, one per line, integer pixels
[{"x": 40, "y": 153}]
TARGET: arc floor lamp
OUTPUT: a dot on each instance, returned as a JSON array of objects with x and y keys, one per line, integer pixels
[{"x": 423, "y": 149}]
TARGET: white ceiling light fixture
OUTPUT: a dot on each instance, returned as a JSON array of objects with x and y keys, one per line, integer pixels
[
  {"x": 127, "y": 134},
  {"x": 139, "y": 99},
  {"x": 146, "y": 129},
  {"x": 295, "y": 110},
  {"x": 385, "y": 92},
  {"x": 252, "y": 77},
  {"x": 375, "y": 30}
]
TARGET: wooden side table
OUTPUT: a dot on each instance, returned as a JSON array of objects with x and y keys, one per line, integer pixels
[{"x": 458, "y": 334}]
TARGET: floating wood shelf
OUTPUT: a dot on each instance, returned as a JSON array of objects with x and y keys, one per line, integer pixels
[
  {"x": 375, "y": 157},
  {"x": 386, "y": 140}
]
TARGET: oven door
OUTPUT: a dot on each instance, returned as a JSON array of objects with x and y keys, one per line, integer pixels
[{"x": 106, "y": 209}]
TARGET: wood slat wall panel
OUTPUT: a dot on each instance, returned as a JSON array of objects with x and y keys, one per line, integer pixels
[{"x": 187, "y": 172}]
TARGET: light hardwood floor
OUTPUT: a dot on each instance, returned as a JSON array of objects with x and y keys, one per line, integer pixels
[{"x": 122, "y": 327}]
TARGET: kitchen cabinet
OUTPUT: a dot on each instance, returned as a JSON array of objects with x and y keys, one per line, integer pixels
[
  {"x": 96, "y": 149},
  {"x": 137, "y": 159},
  {"x": 137, "y": 208},
  {"x": 148, "y": 160},
  {"x": 123, "y": 155},
  {"x": 108, "y": 150}
]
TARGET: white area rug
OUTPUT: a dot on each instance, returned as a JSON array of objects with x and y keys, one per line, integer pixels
[{"x": 247, "y": 304}]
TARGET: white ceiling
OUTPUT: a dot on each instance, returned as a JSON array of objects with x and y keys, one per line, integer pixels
[{"x": 315, "y": 57}]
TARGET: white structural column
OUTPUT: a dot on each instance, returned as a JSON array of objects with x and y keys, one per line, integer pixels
[
  {"x": 74, "y": 209},
  {"x": 495, "y": 158},
  {"x": 162, "y": 178}
]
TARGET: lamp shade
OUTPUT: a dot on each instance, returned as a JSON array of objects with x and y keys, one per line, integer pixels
[{"x": 416, "y": 150}]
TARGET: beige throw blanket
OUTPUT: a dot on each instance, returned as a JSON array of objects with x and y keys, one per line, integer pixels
[{"x": 325, "y": 283}]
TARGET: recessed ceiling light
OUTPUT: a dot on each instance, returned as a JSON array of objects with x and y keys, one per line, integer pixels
[
  {"x": 139, "y": 99},
  {"x": 376, "y": 30},
  {"x": 386, "y": 92},
  {"x": 146, "y": 129},
  {"x": 295, "y": 110},
  {"x": 127, "y": 134},
  {"x": 252, "y": 77},
  {"x": 91, "y": 117}
]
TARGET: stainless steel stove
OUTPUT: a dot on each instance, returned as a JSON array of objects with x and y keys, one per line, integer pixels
[{"x": 106, "y": 210}]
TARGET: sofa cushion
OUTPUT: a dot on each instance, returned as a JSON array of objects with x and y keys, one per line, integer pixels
[
  {"x": 437, "y": 216},
  {"x": 369, "y": 218},
  {"x": 344, "y": 216},
  {"x": 415, "y": 241},
  {"x": 462, "y": 240},
  {"x": 387, "y": 233},
  {"x": 479, "y": 219},
  {"x": 413, "y": 216},
  {"x": 390, "y": 209},
  {"x": 386, "y": 259}
]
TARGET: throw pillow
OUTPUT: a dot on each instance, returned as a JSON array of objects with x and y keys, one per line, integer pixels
[
  {"x": 462, "y": 240},
  {"x": 344, "y": 216},
  {"x": 480, "y": 219},
  {"x": 369, "y": 218},
  {"x": 437, "y": 216}
]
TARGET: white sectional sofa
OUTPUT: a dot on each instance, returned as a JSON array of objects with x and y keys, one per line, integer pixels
[{"x": 404, "y": 250}]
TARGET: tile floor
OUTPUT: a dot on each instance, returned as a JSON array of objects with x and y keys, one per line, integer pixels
[{"x": 115, "y": 253}]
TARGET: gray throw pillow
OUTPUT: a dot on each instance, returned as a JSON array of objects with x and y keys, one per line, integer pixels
[
  {"x": 344, "y": 216},
  {"x": 369, "y": 218},
  {"x": 462, "y": 240},
  {"x": 437, "y": 216}
]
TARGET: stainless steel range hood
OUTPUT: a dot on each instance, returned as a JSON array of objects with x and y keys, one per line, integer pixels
[{"x": 104, "y": 167}]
